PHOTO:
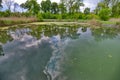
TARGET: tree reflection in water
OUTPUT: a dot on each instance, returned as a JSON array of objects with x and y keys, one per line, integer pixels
[{"x": 37, "y": 48}]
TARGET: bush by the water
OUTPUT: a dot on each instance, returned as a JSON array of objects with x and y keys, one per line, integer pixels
[
  {"x": 118, "y": 24},
  {"x": 104, "y": 14}
]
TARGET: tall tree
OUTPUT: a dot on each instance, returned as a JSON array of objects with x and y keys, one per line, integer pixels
[
  {"x": 79, "y": 3},
  {"x": 62, "y": 7},
  {"x": 112, "y": 4},
  {"x": 1, "y": 50},
  {"x": 116, "y": 10},
  {"x": 32, "y": 6},
  {"x": 100, "y": 6},
  {"x": 22, "y": 6},
  {"x": 70, "y": 5},
  {"x": 54, "y": 8},
  {"x": 0, "y": 3},
  {"x": 46, "y": 6},
  {"x": 73, "y": 5},
  {"x": 87, "y": 10}
]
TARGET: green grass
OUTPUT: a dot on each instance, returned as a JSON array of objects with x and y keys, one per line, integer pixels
[
  {"x": 108, "y": 22},
  {"x": 23, "y": 20}
]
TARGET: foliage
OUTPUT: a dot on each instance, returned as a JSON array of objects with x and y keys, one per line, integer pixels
[
  {"x": 62, "y": 8},
  {"x": 116, "y": 10},
  {"x": 32, "y": 6},
  {"x": 87, "y": 11},
  {"x": 66, "y": 9},
  {"x": 39, "y": 17},
  {"x": 111, "y": 4},
  {"x": 73, "y": 6},
  {"x": 0, "y": 3},
  {"x": 54, "y": 8},
  {"x": 118, "y": 24},
  {"x": 5, "y": 14},
  {"x": 91, "y": 16},
  {"x": 105, "y": 14},
  {"x": 46, "y": 6}
]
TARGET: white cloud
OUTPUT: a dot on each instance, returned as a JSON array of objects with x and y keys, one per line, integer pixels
[{"x": 20, "y": 1}]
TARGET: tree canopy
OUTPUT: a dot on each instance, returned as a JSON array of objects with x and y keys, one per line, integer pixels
[
  {"x": 114, "y": 5},
  {"x": 65, "y": 9},
  {"x": 0, "y": 3}
]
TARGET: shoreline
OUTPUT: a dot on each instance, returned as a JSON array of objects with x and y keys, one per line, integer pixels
[{"x": 63, "y": 22}]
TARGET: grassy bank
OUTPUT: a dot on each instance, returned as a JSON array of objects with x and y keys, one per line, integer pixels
[
  {"x": 72, "y": 22},
  {"x": 33, "y": 21},
  {"x": 15, "y": 20}
]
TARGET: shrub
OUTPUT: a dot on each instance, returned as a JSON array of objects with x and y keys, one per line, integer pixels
[
  {"x": 76, "y": 16},
  {"x": 91, "y": 16},
  {"x": 46, "y": 15},
  {"x": 81, "y": 16},
  {"x": 59, "y": 16},
  {"x": 64, "y": 16},
  {"x": 39, "y": 17},
  {"x": 118, "y": 24},
  {"x": 6, "y": 13},
  {"x": 105, "y": 14}
]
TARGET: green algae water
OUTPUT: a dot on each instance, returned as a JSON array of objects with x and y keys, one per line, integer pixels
[{"x": 59, "y": 53}]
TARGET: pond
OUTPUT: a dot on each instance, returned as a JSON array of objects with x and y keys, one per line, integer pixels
[{"x": 59, "y": 53}]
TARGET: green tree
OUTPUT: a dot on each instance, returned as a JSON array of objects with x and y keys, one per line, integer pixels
[
  {"x": 54, "y": 8},
  {"x": 32, "y": 6},
  {"x": 87, "y": 11},
  {"x": 22, "y": 6},
  {"x": 111, "y": 2},
  {"x": 77, "y": 5},
  {"x": 0, "y": 3},
  {"x": 62, "y": 7},
  {"x": 46, "y": 6},
  {"x": 100, "y": 6},
  {"x": 105, "y": 14},
  {"x": 1, "y": 50},
  {"x": 70, "y": 5},
  {"x": 116, "y": 10},
  {"x": 73, "y": 5},
  {"x": 107, "y": 4}
]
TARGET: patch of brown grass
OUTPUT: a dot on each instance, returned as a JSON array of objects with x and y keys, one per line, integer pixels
[
  {"x": 16, "y": 20},
  {"x": 115, "y": 20},
  {"x": 94, "y": 22},
  {"x": 32, "y": 19}
]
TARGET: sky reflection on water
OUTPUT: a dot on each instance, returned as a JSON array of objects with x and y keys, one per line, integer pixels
[{"x": 60, "y": 53}]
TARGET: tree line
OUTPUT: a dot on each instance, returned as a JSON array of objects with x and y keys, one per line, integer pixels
[{"x": 67, "y": 9}]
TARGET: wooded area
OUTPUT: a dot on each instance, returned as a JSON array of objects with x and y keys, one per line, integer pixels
[{"x": 66, "y": 9}]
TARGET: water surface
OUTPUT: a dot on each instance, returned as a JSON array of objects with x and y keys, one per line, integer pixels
[{"x": 59, "y": 53}]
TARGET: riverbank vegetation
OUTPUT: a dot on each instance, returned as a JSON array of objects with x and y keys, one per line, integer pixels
[{"x": 65, "y": 10}]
